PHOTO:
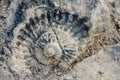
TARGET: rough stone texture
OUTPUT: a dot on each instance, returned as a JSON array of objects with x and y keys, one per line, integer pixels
[
  {"x": 59, "y": 39},
  {"x": 105, "y": 65}
]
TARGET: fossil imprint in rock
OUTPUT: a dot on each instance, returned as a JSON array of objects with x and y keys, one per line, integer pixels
[
  {"x": 54, "y": 38},
  {"x": 57, "y": 46}
]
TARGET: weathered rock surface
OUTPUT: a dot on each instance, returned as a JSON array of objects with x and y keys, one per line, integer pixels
[
  {"x": 59, "y": 39},
  {"x": 105, "y": 65}
]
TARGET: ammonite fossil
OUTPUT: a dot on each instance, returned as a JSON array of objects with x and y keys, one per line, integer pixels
[{"x": 53, "y": 36}]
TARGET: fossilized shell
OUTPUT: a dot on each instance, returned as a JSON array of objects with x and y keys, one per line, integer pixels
[
  {"x": 57, "y": 46},
  {"x": 54, "y": 38}
]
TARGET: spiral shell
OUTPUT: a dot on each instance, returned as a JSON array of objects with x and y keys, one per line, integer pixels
[
  {"x": 56, "y": 49},
  {"x": 52, "y": 37}
]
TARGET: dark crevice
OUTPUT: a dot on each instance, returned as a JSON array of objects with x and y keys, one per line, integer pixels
[
  {"x": 9, "y": 2},
  {"x": 2, "y": 51},
  {"x": 37, "y": 19},
  {"x": 19, "y": 15},
  {"x": 32, "y": 22},
  {"x": 65, "y": 17},
  {"x": 28, "y": 28},
  {"x": 21, "y": 37},
  {"x": 49, "y": 16},
  {"x": 57, "y": 15},
  {"x": 26, "y": 34},
  {"x": 82, "y": 21},
  {"x": 49, "y": 3}
]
